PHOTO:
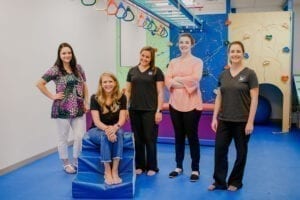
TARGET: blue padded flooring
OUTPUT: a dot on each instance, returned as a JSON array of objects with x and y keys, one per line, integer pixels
[
  {"x": 89, "y": 181},
  {"x": 272, "y": 173}
]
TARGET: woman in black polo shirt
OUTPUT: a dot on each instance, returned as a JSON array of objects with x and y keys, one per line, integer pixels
[
  {"x": 144, "y": 92},
  {"x": 233, "y": 118}
]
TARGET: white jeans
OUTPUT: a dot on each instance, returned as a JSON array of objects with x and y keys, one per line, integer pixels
[{"x": 63, "y": 126}]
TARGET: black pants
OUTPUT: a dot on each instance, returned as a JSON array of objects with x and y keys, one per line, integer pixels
[
  {"x": 145, "y": 134},
  {"x": 225, "y": 133},
  {"x": 186, "y": 124}
]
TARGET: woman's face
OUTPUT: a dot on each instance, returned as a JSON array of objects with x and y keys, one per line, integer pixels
[
  {"x": 108, "y": 84},
  {"x": 66, "y": 55},
  {"x": 236, "y": 53},
  {"x": 185, "y": 44},
  {"x": 145, "y": 58}
]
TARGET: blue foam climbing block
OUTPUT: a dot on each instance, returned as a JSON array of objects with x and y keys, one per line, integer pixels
[
  {"x": 89, "y": 181},
  {"x": 90, "y": 185}
]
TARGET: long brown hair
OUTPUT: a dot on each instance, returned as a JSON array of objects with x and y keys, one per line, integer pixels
[
  {"x": 73, "y": 62},
  {"x": 102, "y": 97},
  {"x": 152, "y": 52}
]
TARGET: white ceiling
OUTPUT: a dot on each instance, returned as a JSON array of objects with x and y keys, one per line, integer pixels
[
  {"x": 257, "y": 5},
  {"x": 219, "y": 6},
  {"x": 241, "y": 4}
]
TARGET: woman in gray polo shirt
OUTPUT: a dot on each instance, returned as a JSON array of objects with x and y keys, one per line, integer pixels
[{"x": 233, "y": 118}]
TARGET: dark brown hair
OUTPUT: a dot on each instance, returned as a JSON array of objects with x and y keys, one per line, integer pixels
[
  {"x": 238, "y": 43},
  {"x": 152, "y": 52},
  {"x": 73, "y": 62},
  {"x": 189, "y": 36}
]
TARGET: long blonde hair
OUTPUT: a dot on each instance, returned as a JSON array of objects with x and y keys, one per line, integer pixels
[{"x": 102, "y": 97}]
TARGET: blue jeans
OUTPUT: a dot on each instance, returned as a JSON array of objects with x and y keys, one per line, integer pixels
[{"x": 108, "y": 150}]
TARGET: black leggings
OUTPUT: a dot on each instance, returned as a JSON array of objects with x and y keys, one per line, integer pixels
[{"x": 186, "y": 124}]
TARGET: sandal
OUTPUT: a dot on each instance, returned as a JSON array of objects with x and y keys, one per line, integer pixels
[
  {"x": 69, "y": 169},
  {"x": 75, "y": 166}
]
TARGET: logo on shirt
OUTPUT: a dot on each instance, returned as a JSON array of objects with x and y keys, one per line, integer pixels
[
  {"x": 242, "y": 78},
  {"x": 150, "y": 73}
]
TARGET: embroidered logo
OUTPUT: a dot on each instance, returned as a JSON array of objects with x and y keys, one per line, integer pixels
[
  {"x": 150, "y": 73},
  {"x": 242, "y": 78}
]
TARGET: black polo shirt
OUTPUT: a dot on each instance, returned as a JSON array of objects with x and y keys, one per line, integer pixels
[{"x": 143, "y": 88}]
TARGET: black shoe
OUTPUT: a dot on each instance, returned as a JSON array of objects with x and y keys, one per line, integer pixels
[
  {"x": 174, "y": 173},
  {"x": 194, "y": 177}
]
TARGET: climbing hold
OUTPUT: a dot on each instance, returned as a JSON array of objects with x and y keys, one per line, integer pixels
[
  {"x": 227, "y": 22},
  {"x": 266, "y": 62},
  {"x": 284, "y": 78},
  {"x": 246, "y": 36},
  {"x": 226, "y": 43},
  {"x": 286, "y": 50},
  {"x": 268, "y": 37},
  {"x": 285, "y": 25}
]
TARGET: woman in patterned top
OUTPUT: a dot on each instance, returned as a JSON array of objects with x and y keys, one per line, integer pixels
[{"x": 69, "y": 102}]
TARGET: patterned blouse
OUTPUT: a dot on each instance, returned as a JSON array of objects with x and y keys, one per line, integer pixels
[{"x": 72, "y": 105}]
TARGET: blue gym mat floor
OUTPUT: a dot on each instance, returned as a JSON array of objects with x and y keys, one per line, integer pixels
[{"x": 272, "y": 172}]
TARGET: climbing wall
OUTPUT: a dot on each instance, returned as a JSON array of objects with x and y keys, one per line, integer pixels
[{"x": 267, "y": 38}]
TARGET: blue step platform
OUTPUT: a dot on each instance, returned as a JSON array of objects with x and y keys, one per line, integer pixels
[{"x": 89, "y": 181}]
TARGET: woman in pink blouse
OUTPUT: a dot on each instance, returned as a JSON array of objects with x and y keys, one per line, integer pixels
[{"x": 182, "y": 79}]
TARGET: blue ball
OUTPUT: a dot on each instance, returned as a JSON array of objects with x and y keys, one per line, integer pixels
[{"x": 263, "y": 111}]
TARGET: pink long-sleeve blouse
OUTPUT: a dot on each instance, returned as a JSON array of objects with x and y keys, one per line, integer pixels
[{"x": 187, "y": 71}]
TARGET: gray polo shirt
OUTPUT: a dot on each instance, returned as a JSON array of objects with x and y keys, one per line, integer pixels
[{"x": 235, "y": 92}]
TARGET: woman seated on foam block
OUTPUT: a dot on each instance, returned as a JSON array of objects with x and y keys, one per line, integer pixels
[{"x": 108, "y": 109}]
